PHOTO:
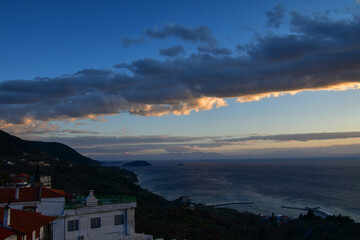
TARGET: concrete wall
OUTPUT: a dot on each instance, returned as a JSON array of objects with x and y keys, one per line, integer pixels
[
  {"x": 130, "y": 221},
  {"x": 59, "y": 229},
  {"x": 99, "y": 208},
  {"x": 108, "y": 229},
  {"x": 51, "y": 206},
  {"x": 20, "y": 205},
  {"x": 47, "y": 206}
]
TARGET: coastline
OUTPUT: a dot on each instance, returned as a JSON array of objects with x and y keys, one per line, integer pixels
[{"x": 263, "y": 204}]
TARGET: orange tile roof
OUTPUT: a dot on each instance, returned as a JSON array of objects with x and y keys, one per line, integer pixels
[
  {"x": 28, "y": 194},
  {"x": 25, "y": 221},
  {"x": 6, "y": 232},
  {"x": 23, "y": 175},
  {"x": 51, "y": 193}
]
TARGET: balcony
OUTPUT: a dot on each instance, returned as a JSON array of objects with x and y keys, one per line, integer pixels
[{"x": 79, "y": 201}]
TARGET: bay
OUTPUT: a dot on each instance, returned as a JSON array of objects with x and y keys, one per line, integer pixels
[{"x": 332, "y": 184}]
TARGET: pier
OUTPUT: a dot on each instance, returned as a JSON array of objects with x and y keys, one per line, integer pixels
[
  {"x": 228, "y": 203},
  {"x": 317, "y": 211}
]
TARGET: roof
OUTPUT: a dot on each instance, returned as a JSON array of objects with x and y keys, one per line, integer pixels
[
  {"x": 52, "y": 193},
  {"x": 29, "y": 194},
  {"x": 6, "y": 232},
  {"x": 25, "y": 221},
  {"x": 23, "y": 175}
]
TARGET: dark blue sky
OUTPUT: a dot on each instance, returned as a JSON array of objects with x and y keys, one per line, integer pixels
[{"x": 166, "y": 69}]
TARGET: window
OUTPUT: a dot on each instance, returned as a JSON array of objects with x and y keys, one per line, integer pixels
[
  {"x": 95, "y": 222},
  {"x": 119, "y": 219},
  {"x": 73, "y": 225},
  {"x": 47, "y": 231}
]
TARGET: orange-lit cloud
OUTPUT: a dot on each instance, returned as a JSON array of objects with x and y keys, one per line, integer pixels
[
  {"x": 317, "y": 54},
  {"x": 179, "y": 108},
  {"x": 336, "y": 87}
]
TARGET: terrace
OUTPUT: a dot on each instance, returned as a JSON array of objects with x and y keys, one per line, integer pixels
[{"x": 80, "y": 201}]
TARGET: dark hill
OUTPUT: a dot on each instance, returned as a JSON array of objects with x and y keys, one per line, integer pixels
[
  {"x": 13, "y": 145},
  {"x": 62, "y": 151}
]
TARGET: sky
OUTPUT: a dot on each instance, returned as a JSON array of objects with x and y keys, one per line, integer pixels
[{"x": 119, "y": 80}]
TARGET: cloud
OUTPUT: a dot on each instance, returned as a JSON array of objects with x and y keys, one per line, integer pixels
[
  {"x": 29, "y": 126},
  {"x": 75, "y": 131},
  {"x": 172, "y": 51},
  {"x": 127, "y": 42},
  {"x": 319, "y": 54},
  {"x": 275, "y": 16},
  {"x": 111, "y": 146},
  {"x": 215, "y": 50},
  {"x": 106, "y": 141},
  {"x": 302, "y": 137},
  {"x": 182, "y": 149},
  {"x": 173, "y": 147},
  {"x": 198, "y": 34}
]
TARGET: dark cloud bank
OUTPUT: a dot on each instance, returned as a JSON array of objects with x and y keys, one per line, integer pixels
[
  {"x": 301, "y": 137},
  {"x": 199, "y": 34},
  {"x": 319, "y": 53},
  {"x": 172, "y": 51},
  {"x": 275, "y": 16}
]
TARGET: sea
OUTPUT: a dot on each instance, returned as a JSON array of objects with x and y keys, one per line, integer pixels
[{"x": 332, "y": 184}]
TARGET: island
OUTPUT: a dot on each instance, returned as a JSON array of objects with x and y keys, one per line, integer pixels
[{"x": 137, "y": 164}]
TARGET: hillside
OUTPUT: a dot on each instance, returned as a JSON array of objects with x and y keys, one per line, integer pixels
[
  {"x": 14, "y": 146},
  {"x": 155, "y": 215},
  {"x": 62, "y": 151},
  {"x": 70, "y": 170},
  {"x": 137, "y": 164}
]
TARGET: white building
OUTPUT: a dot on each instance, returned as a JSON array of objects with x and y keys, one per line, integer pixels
[
  {"x": 106, "y": 218},
  {"x": 47, "y": 201},
  {"x": 24, "y": 225},
  {"x": 45, "y": 181}
]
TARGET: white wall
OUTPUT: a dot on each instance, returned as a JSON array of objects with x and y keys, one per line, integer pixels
[
  {"x": 47, "y": 206},
  {"x": 130, "y": 221},
  {"x": 20, "y": 205},
  {"x": 108, "y": 229},
  {"x": 52, "y": 206},
  {"x": 58, "y": 229}
]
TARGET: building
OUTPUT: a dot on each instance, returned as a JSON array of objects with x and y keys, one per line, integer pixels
[
  {"x": 89, "y": 217},
  {"x": 45, "y": 181},
  {"x": 21, "y": 180},
  {"x": 102, "y": 217},
  {"x": 47, "y": 201},
  {"x": 24, "y": 225}
]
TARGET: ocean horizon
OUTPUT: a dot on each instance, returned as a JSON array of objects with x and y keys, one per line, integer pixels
[{"x": 332, "y": 184}]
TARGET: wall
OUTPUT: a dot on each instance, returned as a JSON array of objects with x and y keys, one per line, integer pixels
[
  {"x": 47, "y": 206},
  {"x": 52, "y": 206},
  {"x": 20, "y": 205},
  {"x": 108, "y": 229},
  {"x": 58, "y": 229}
]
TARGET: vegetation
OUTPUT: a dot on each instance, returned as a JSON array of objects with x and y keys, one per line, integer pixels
[
  {"x": 137, "y": 164},
  {"x": 155, "y": 215}
]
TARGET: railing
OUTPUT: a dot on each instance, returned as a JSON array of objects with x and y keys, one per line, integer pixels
[{"x": 102, "y": 200}]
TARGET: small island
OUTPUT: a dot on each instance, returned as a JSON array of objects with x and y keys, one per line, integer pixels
[{"x": 137, "y": 164}]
